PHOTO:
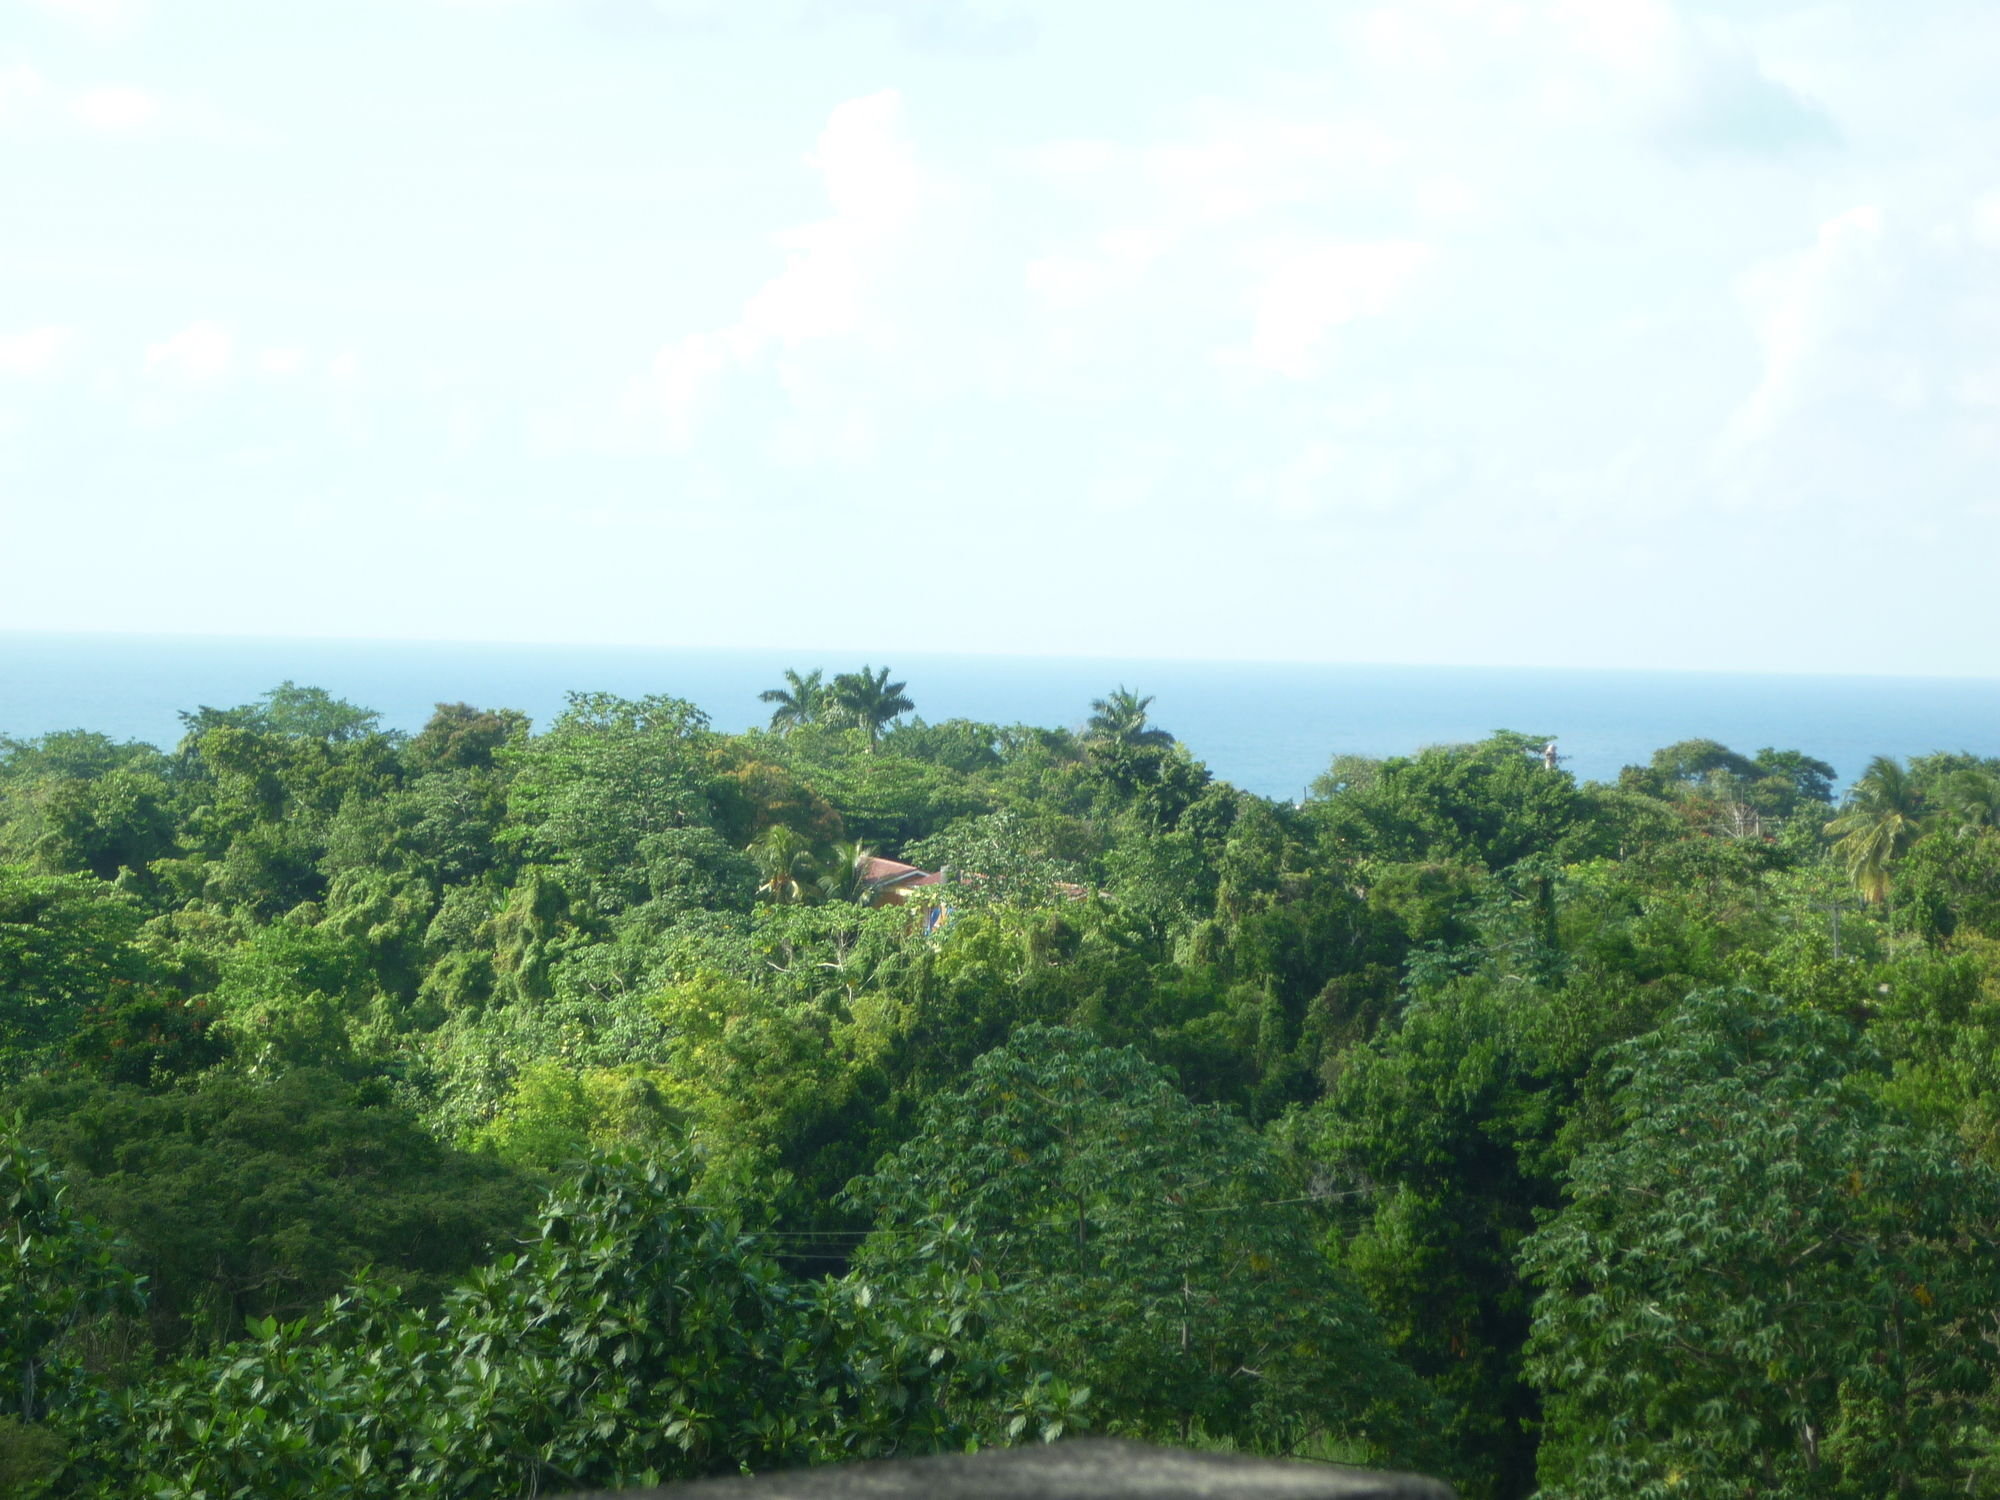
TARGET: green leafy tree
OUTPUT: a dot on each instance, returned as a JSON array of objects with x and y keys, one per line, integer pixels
[
  {"x": 121, "y": 820},
  {"x": 1442, "y": 1130},
  {"x": 1493, "y": 801},
  {"x": 243, "y": 1199},
  {"x": 1792, "y": 779},
  {"x": 461, "y": 737},
  {"x": 146, "y": 1034},
  {"x": 869, "y": 700},
  {"x": 964, "y": 745},
  {"x": 258, "y": 788},
  {"x": 641, "y": 1336},
  {"x": 1723, "y": 792},
  {"x": 1764, "y": 1282},
  {"x": 65, "y": 944},
  {"x": 307, "y": 713},
  {"x": 892, "y": 800},
  {"x": 56, "y": 1270},
  {"x": 996, "y": 859},
  {"x": 610, "y": 792},
  {"x": 1143, "y": 1245}
]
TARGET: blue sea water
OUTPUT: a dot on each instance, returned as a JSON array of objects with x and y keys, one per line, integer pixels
[{"x": 1269, "y": 727}]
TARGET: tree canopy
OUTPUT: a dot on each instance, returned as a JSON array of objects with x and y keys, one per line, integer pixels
[{"x": 1559, "y": 1137}]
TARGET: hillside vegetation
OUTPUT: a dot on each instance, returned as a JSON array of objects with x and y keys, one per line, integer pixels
[{"x": 504, "y": 1109}]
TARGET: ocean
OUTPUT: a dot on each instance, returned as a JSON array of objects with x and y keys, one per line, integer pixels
[{"x": 1269, "y": 727}]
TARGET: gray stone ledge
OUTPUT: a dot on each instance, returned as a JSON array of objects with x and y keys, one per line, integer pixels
[{"x": 1083, "y": 1469}]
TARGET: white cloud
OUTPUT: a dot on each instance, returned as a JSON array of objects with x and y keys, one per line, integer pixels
[
  {"x": 1985, "y": 221},
  {"x": 1308, "y": 289},
  {"x": 1114, "y": 263},
  {"x": 1642, "y": 67},
  {"x": 116, "y": 111},
  {"x": 198, "y": 354},
  {"x": 1797, "y": 305},
  {"x": 1191, "y": 218},
  {"x": 834, "y": 270},
  {"x": 1351, "y": 479},
  {"x": 685, "y": 370},
  {"x": 1628, "y": 36},
  {"x": 1243, "y": 165},
  {"x": 871, "y": 175},
  {"x": 29, "y": 100},
  {"x": 22, "y": 90},
  {"x": 104, "y": 17},
  {"x": 34, "y": 352}
]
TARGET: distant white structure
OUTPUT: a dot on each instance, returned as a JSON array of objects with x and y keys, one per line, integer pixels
[{"x": 1549, "y": 756}]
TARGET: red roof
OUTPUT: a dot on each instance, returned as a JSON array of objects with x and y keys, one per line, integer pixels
[{"x": 895, "y": 873}]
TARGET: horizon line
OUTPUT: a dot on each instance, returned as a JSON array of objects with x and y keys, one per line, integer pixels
[{"x": 932, "y": 653}]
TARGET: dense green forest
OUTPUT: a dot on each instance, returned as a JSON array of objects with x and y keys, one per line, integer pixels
[{"x": 502, "y": 1109}]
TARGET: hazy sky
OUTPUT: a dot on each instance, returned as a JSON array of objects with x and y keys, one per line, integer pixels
[{"x": 1561, "y": 332}]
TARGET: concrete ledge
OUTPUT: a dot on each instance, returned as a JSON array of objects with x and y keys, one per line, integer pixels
[{"x": 1084, "y": 1469}]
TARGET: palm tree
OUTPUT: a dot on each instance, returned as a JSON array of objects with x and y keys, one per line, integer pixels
[
  {"x": 1121, "y": 718},
  {"x": 1882, "y": 818},
  {"x": 784, "y": 859},
  {"x": 1972, "y": 797},
  {"x": 868, "y": 700},
  {"x": 844, "y": 873},
  {"x": 806, "y": 701}
]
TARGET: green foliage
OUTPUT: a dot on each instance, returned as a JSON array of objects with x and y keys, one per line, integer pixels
[
  {"x": 246, "y": 1199},
  {"x": 306, "y": 996},
  {"x": 141, "y": 1034},
  {"x": 887, "y": 801},
  {"x": 803, "y": 700},
  {"x": 1122, "y": 718},
  {"x": 614, "y": 795},
  {"x": 995, "y": 860},
  {"x": 1146, "y": 1246},
  {"x": 1454, "y": 1119},
  {"x": 1767, "y": 1282},
  {"x": 869, "y": 701},
  {"x": 960, "y": 745},
  {"x": 463, "y": 738},
  {"x": 1879, "y": 821},
  {"x": 1494, "y": 802},
  {"x": 66, "y": 943},
  {"x": 30, "y": 1458},
  {"x": 641, "y": 1337},
  {"x": 56, "y": 1269}
]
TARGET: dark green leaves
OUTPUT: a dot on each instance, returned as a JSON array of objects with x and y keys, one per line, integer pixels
[{"x": 1766, "y": 1283}]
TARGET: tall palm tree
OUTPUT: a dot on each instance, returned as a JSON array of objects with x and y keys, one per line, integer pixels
[
  {"x": 1882, "y": 818},
  {"x": 869, "y": 700},
  {"x": 784, "y": 858},
  {"x": 1121, "y": 718},
  {"x": 805, "y": 700}
]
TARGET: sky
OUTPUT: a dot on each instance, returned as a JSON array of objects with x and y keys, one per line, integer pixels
[{"x": 1586, "y": 333}]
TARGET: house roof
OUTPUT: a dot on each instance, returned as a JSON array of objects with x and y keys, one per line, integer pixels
[{"x": 881, "y": 872}]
